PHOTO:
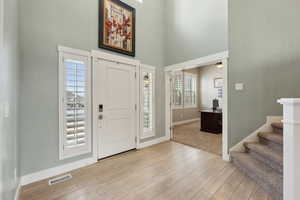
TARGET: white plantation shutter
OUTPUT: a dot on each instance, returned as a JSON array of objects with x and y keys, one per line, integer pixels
[
  {"x": 190, "y": 90},
  {"x": 148, "y": 101},
  {"x": 184, "y": 90},
  {"x": 75, "y": 113},
  {"x": 75, "y": 103},
  {"x": 178, "y": 90}
]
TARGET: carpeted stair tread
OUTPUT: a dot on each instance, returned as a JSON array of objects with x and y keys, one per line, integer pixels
[
  {"x": 269, "y": 178},
  {"x": 278, "y": 125},
  {"x": 267, "y": 154},
  {"x": 273, "y": 137}
]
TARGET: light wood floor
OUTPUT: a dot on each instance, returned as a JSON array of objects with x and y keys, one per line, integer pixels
[
  {"x": 191, "y": 135},
  {"x": 166, "y": 171}
]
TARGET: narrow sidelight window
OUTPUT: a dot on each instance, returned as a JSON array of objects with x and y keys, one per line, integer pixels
[
  {"x": 148, "y": 101},
  {"x": 75, "y": 110}
]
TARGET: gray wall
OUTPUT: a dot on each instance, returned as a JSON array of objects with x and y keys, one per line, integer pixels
[
  {"x": 185, "y": 114},
  {"x": 9, "y": 165},
  {"x": 44, "y": 25},
  {"x": 264, "y": 47},
  {"x": 194, "y": 29},
  {"x": 207, "y": 91}
]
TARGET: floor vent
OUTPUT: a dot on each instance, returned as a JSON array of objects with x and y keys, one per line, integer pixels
[{"x": 60, "y": 179}]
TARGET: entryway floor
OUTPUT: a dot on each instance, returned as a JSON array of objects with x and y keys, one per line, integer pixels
[
  {"x": 165, "y": 171},
  {"x": 190, "y": 134}
]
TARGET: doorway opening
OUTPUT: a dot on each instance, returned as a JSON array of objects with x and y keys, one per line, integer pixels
[{"x": 196, "y": 103}]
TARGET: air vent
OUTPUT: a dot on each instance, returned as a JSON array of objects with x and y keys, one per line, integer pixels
[{"x": 60, "y": 179}]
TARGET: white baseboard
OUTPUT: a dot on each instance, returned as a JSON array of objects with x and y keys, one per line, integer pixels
[
  {"x": 226, "y": 157},
  {"x": 253, "y": 136},
  {"x": 47, "y": 173},
  {"x": 18, "y": 190},
  {"x": 153, "y": 142},
  {"x": 185, "y": 121}
]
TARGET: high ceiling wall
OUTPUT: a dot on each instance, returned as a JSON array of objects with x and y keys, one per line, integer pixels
[
  {"x": 194, "y": 29},
  {"x": 9, "y": 76},
  {"x": 264, "y": 48}
]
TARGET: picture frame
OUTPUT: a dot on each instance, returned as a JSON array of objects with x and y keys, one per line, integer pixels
[
  {"x": 117, "y": 27},
  {"x": 218, "y": 83}
]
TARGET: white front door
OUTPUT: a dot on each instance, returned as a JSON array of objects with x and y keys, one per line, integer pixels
[{"x": 115, "y": 101}]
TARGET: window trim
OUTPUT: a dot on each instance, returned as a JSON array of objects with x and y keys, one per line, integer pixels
[
  {"x": 150, "y": 133},
  {"x": 73, "y": 54}
]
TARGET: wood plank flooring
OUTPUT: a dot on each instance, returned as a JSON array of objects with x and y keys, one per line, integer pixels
[
  {"x": 191, "y": 135},
  {"x": 165, "y": 171}
]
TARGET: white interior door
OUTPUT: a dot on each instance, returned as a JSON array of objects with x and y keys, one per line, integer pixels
[{"x": 115, "y": 102}]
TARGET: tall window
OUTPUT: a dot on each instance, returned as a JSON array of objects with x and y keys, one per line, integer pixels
[
  {"x": 184, "y": 90},
  {"x": 178, "y": 90},
  {"x": 75, "y": 134},
  {"x": 148, "y": 101},
  {"x": 190, "y": 90}
]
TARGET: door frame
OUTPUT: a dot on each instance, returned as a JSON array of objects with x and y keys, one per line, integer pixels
[
  {"x": 117, "y": 59},
  {"x": 200, "y": 62}
]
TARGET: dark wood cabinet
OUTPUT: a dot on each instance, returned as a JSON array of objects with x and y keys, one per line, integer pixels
[{"x": 211, "y": 121}]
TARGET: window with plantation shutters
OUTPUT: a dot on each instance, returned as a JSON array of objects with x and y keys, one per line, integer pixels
[
  {"x": 184, "y": 90},
  {"x": 148, "y": 101},
  {"x": 178, "y": 90},
  {"x": 75, "y": 134},
  {"x": 190, "y": 90}
]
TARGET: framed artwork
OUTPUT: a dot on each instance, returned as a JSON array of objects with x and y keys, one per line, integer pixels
[
  {"x": 218, "y": 82},
  {"x": 117, "y": 27}
]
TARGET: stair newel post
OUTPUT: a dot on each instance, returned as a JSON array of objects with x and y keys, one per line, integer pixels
[{"x": 291, "y": 148}]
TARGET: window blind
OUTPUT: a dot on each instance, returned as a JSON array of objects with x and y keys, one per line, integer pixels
[
  {"x": 75, "y": 104},
  {"x": 178, "y": 90},
  {"x": 184, "y": 90},
  {"x": 190, "y": 90},
  {"x": 148, "y": 100}
]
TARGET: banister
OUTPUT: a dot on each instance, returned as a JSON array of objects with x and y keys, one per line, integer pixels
[{"x": 291, "y": 148}]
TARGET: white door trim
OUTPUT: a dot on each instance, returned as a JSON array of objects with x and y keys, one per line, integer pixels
[
  {"x": 118, "y": 59},
  {"x": 203, "y": 61}
]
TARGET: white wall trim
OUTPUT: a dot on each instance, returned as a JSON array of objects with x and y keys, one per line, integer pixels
[
  {"x": 18, "y": 192},
  {"x": 185, "y": 121},
  {"x": 253, "y": 136},
  {"x": 206, "y": 60},
  {"x": 114, "y": 58},
  {"x": 153, "y": 142},
  {"x": 200, "y": 62},
  {"x": 289, "y": 101},
  {"x": 47, "y": 173},
  {"x": 73, "y": 51}
]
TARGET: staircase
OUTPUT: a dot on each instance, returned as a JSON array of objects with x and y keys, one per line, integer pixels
[{"x": 263, "y": 160}]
